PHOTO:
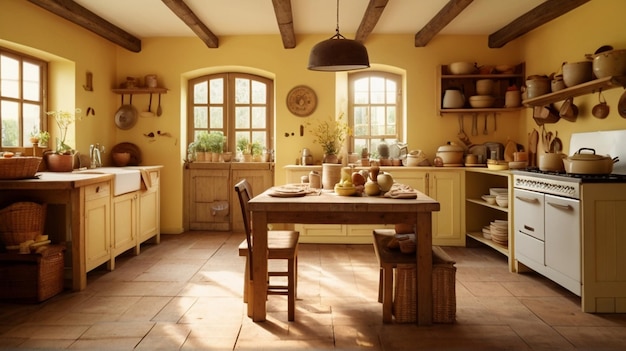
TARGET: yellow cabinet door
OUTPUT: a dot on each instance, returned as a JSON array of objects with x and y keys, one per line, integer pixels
[
  {"x": 97, "y": 225},
  {"x": 124, "y": 224},
  {"x": 445, "y": 187}
]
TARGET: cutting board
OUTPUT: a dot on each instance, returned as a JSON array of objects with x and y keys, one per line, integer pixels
[{"x": 611, "y": 143}]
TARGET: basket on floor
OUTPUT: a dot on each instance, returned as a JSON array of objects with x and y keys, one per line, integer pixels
[
  {"x": 21, "y": 221},
  {"x": 19, "y": 167},
  {"x": 404, "y": 302},
  {"x": 443, "y": 287},
  {"x": 32, "y": 277}
]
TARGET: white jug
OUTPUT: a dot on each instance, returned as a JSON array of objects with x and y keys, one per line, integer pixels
[{"x": 453, "y": 98}]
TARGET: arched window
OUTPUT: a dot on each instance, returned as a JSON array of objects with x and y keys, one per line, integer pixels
[
  {"x": 375, "y": 104},
  {"x": 235, "y": 104}
]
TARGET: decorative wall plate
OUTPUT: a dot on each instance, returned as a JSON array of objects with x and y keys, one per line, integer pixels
[{"x": 301, "y": 101}]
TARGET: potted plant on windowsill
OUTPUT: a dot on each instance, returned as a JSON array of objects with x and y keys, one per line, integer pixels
[
  {"x": 215, "y": 144},
  {"x": 62, "y": 159},
  {"x": 331, "y": 134},
  {"x": 245, "y": 148},
  {"x": 202, "y": 147},
  {"x": 256, "y": 150}
]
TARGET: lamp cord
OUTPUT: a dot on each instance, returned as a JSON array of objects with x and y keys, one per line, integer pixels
[{"x": 337, "y": 29}]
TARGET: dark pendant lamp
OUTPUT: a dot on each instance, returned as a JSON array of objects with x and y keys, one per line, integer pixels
[{"x": 338, "y": 53}]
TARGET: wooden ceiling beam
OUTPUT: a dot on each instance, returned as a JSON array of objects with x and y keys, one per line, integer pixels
[
  {"x": 449, "y": 12},
  {"x": 374, "y": 10},
  {"x": 183, "y": 12},
  {"x": 284, "y": 18},
  {"x": 79, "y": 15},
  {"x": 532, "y": 19}
]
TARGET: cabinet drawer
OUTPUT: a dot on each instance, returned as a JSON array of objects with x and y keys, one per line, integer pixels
[
  {"x": 529, "y": 213},
  {"x": 97, "y": 191}
]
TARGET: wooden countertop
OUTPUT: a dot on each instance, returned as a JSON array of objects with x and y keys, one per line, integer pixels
[{"x": 55, "y": 180}]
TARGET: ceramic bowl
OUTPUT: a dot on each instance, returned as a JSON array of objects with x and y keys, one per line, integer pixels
[
  {"x": 482, "y": 101},
  {"x": 345, "y": 191},
  {"x": 462, "y": 67},
  {"x": 498, "y": 191},
  {"x": 491, "y": 199},
  {"x": 120, "y": 159},
  {"x": 502, "y": 201}
]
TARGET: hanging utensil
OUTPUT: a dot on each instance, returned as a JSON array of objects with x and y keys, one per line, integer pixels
[
  {"x": 159, "y": 108},
  {"x": 126, "y": 115},
  {"x": 461, "y": 134},
  {"x": 556, "y": 145},
  {"x": 474, "y": 124},
  {"x": 533, "y": 139},
  {"x": 601, "y": 110},
  {"x": 149, "y": 112},
  {"x": 621, "y": 106},
  {"x": 485, "y": 131}
]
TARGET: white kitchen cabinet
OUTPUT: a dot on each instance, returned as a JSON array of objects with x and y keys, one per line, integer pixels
[
  {"x": 97, "y": 216},
  {"x": 124, "y": 224},
  {"x": 478, "y": 213}
]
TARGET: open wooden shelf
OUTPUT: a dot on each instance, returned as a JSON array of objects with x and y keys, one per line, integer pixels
[
  {"x": 131, "y": 91},
  {"x": 592, "y": 86},
  {"x": 500, "y": 248}
]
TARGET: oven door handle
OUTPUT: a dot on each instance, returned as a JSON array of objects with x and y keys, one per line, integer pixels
[
  {"x": 561, "y": 207},
  {"x": 527, "y": 199}
]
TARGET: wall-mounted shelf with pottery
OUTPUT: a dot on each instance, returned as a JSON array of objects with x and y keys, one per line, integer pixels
[
  {"x": 592, "y": 86},
  {"x": 125, "y": 91},
  {"x": 467, "y": 84}
]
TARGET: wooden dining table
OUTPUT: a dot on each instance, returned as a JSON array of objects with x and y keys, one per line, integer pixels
[{"x": 326, "y": 207}]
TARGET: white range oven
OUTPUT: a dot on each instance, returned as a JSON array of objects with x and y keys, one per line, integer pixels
[{"x": 571, "y": 229}]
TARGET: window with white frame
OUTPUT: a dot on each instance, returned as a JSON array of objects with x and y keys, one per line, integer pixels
[
  {"x": 22, "y": 98},
  {"x": 375, "y": 103},
  {"x": 238, "y": 105}
]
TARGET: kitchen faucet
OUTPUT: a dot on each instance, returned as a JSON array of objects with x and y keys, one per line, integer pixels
[{"x": 94, "y": 155}]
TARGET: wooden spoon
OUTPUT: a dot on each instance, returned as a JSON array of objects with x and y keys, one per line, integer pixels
[{"x": 159, "y": 108}]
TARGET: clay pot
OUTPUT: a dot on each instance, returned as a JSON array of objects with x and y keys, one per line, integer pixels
[
  {"x": 551, "y": 162},
  {"x": 588, "y": 163},
  {"x": 577, "y": 73},
  {"x": 609, "y": 63}
]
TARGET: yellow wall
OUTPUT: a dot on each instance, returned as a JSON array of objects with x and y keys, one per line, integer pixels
[
  {"x": 568, "y": 39},
  {"x": 175, "y": 60}
]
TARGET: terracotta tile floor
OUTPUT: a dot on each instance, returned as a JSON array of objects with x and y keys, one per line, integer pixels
[{"x": 185, "y": 294}]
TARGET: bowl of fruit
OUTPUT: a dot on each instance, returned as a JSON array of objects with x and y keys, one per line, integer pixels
[{"x": 345, "y": 188}]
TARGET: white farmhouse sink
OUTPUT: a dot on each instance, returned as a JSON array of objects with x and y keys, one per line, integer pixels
[{"x": 124, "y": 181}]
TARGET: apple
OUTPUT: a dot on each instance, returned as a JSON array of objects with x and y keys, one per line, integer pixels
[
  {"x": 358, "y": 179},
  {"x": 371, "y": 188}
]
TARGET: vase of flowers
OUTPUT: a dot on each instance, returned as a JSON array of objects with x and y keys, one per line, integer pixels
[
  {"x": 62, "y": 159},
  {"x": 331, "y": 134}
]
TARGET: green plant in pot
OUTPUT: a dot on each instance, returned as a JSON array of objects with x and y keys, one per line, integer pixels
[
  {"x": 331, "y": 134},
  {"x": 256, "y": 150},
  {"x": 244, "y": 146},
  {"x": 44, "y": 138},
  {"x": 62, "y": 159},
  {"x": 202, "y": 146},
  {"x": 216, "y": 144}
]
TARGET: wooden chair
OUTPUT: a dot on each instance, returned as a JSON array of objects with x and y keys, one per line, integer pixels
[{"x": 282, "y": 245}]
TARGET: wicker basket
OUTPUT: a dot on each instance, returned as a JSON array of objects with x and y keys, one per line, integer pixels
[
  {"x": 404, "y": 302},
  {"x": 444, "y": 290},
  {"x": 21, "y": 221},
  {"x": 32, "y": 277},
  {"x": 19, "y": 167}
]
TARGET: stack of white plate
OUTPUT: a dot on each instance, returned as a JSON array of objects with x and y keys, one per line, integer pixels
[
  {"x": 499, "y": 231},
  {"x": 487, "y": 232}
]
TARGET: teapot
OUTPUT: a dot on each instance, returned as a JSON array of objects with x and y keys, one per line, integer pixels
[{"x": 453, "y": 98}]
